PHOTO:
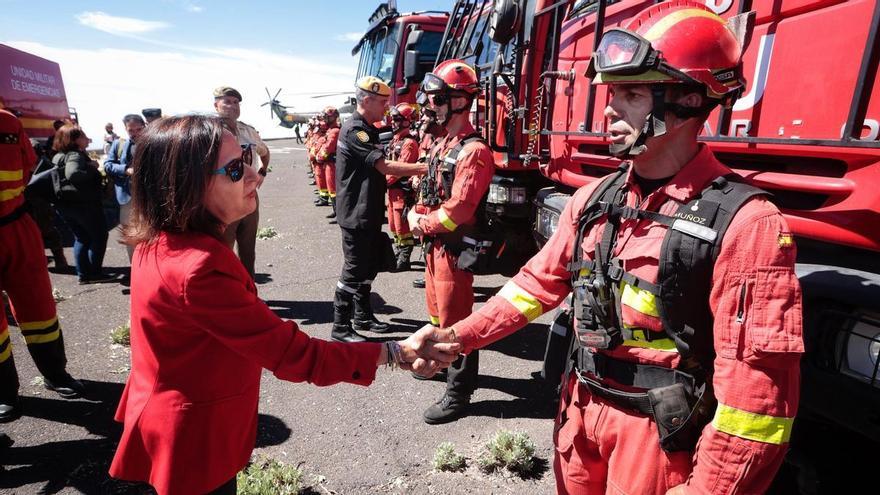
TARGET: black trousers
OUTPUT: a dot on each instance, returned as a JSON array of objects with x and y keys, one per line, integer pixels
[{"x": 363, "y": 259}]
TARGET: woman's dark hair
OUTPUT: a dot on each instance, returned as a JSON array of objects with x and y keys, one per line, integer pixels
[
  {"x": 172, "y": 165},
  {"x": 66, "y": 137}
]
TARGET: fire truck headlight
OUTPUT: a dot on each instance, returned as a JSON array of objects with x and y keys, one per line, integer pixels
[
  {"x": 547, "y": 222},
  {"x": 862, "y": 352},
  {"x": 506, "y": 192}
]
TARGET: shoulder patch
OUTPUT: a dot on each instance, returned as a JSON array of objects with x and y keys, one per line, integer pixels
[{"x": 363, "y": 136}]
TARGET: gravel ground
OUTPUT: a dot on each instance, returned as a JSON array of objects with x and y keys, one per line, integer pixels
[{"x": 348, "y": 439}]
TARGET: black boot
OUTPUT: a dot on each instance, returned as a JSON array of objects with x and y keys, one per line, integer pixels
[
  {"x": 9, "y": 410},
  {"x": 343, "y": 302},
  {"x": 333, "y": 206},
  {"x": 51, "y": 361},
  {"x": 346, "y": 334},
  {"x": 322, "y": 201},
  {"x": 403, "y": 263},
  {"x": 66, "y": 386},
  {"x": 8, "y": 384},
  {"x": 449, "y": 408},
  {"x": 364, "y": 319},
  {"x": 419, "y": 283}
]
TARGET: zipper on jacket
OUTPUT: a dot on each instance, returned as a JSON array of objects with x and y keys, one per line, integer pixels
[{"x": 741, "y": 307}]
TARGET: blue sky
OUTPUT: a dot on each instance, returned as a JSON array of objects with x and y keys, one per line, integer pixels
[{"x": 121, "y": 56}]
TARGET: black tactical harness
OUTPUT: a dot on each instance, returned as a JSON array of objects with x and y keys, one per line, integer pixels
[
  {"x": 680, "y": 399},
  {"x": 475, "y": 246}
]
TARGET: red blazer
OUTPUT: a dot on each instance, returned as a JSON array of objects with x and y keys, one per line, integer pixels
[{"x": 199, "y": 339}]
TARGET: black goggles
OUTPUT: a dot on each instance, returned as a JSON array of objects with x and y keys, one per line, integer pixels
[
  {"x": 435, "y": 90},
  {"x": 235, "y": 168},
  {"x": 622, "y": 52}
]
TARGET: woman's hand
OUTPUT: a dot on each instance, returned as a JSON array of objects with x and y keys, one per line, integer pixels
[{"x": 429, "y": 350}]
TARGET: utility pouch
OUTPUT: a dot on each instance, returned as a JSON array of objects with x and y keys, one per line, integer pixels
[
  {"x": 673, "y": 409},
  {"x": 475, "y": 255}
]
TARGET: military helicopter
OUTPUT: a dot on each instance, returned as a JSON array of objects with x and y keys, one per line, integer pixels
[{"x": 290, "y": 119}]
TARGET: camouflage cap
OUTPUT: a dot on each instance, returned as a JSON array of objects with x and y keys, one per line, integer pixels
[{"x": 227, "y": 91}]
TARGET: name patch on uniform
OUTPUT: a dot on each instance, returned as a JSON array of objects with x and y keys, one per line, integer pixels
[{"x": 363, "y": 136}]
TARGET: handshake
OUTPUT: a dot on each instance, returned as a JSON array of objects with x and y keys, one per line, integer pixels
[{"x": 425, "y": 352}]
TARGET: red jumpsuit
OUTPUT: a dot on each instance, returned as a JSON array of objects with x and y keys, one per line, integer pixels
[
  {"x": 23, "y": 273},
  {"x": 449, "y": 290},
  {"x": 326, "y": 158},
  {"x": 315, "y": 145},
  {"x": 756, "y": 303},
  {"x": 403, "y": 148}
]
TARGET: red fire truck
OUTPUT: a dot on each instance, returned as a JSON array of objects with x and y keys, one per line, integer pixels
[
  {"x": 400, "y": 48},
  {"x": 806, "y": 129},
  {"x": 32, "y": 88}
]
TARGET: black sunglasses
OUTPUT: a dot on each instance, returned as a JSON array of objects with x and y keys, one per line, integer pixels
[{"x": 235, "y": 168}]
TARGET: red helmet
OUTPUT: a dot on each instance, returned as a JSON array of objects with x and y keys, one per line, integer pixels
[
  {"x": 405, "y": 111},
  {"x": 452, "y": 75},
  {"x": 330, "y": 114},
  {"x": 678, "y": 41}
]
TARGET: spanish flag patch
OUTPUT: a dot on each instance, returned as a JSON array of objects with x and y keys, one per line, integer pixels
[
  {"x": 785, "y": 240},
  {"x": 363, "y": 136}
]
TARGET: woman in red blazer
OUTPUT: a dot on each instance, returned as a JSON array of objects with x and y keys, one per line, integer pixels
[{"x": 199, "y": 335}]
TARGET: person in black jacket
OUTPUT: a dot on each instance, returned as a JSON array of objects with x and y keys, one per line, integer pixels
[{"x": 80, "y": 203}]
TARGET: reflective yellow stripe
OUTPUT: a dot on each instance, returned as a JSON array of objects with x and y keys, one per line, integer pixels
[
  {"x": 445, "y": 220},
  {"x": 435, "y": 320},
  {"x": 7, "y": 194},
  {"x": 37, "y": 325},
  {"x": 524, "y": 302},
  {"x": 639, "y": 340},
  {"x": 752, "y": 426},
  {"x": 672, "y": 19},
  {"x": 638, "y": 299},
  {"x": 42, "y": 338},
  {"x": 4, "y": 337},
  {"x": 11, "y": 175}
]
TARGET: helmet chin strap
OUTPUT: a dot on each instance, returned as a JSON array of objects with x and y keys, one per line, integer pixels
[{"x": 655, "y": 125}]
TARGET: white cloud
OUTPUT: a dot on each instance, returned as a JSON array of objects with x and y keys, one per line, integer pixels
[
  {"x": 355, "y": 37},
  {"x": 118, "y": 25},
  {"x": 182, "y": 81},
  {"x": 191, "y": 7}
]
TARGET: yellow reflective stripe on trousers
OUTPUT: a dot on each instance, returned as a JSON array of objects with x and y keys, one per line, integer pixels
[
  {"x": 524, "y": 302},
  {"x": 638, "y": 299},
  {"x": 37, "y": 325},
  {"x": 42, "y": 338},
  {"x": 639, "y": 340},
  {"x": 10, "y": 175},
  {"x": 435, "y": 320},
  {"x": 7, "y": 194},
  {"x": 445, "y": 220},
  {"x": 5, "y": 344},
  {"x": 752, "y": 426}
]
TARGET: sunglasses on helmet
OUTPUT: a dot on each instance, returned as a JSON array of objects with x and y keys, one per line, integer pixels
[
  {"x": 235, "y": 168},
  {"x": 622, "y": 52}
]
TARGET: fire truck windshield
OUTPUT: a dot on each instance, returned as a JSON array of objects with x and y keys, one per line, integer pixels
[{"x": 379, "y": 52}]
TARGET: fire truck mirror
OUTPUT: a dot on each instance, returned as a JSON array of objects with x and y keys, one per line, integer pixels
[{"x": 504, "y": 21}]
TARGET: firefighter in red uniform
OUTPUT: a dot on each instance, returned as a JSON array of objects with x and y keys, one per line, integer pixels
[
  {"x": 24, "y": 277},
  {"x": 326, "y": 154},
  {"x": 316, "y": 144},
  {"x": 429, "y": 132},
  {"x": 404, "y": 147},
  {"x": 459, "y": 173},
  {"x": 688, "y": 333},
  {"x": 310, "y": 131}
]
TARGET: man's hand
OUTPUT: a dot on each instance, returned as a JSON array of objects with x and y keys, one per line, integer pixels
[
  {"x": 413, "y": 219},
  {"x": 429, "y": 350}
]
